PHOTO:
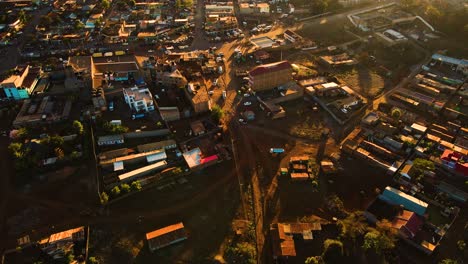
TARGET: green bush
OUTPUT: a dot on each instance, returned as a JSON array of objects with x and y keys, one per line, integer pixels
[
  {"x": 240, "y": 253},
  {"x": 136, "y": 186},
  {"x": 115, "y": 191},
  {"x": 104, "y": 198},
  {"x": 217, "y": 113},
  {"x": 124, "y": 188},
  {"x": 78, "y": 127}
]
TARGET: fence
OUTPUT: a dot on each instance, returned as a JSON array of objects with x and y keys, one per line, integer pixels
[{"x": 151, "y": 133}]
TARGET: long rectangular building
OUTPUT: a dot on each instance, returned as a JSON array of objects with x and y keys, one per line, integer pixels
[
  {"x": 269, "y": 76},
  {"x": 131, "y": 175}
]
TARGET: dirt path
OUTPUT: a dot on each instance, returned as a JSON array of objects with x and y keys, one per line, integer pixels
[{"x": 117, "y": 217}]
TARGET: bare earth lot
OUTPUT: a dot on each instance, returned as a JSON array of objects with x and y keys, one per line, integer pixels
[{"x": 364, "y": 81}]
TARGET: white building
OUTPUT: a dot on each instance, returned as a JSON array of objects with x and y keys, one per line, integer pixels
[{"x": 139, "y": 99}]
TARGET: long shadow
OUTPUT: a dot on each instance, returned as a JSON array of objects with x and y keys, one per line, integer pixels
[{"x": 364, "y": 81}]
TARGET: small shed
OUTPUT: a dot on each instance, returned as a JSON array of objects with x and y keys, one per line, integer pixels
[{"x": 166, "y": 236}]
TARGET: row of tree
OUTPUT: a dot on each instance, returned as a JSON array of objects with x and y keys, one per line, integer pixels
[
  {"x": 355, "y": 233},
  {"x": 452, "y": 20},
  {"x": 120, "y": 190}
]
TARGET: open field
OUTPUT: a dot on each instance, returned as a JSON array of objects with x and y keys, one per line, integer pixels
[
  {"x": 327, "y": 32},
  {"x": 300, "y": 121},
  {"x": 363, "y": 80},
  {"x": 209, "y": 217}
]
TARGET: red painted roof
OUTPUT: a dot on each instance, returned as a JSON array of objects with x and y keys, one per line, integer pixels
[
  {"x": 209, "y": 159},
  {"x": 164, "y": 231},
  {"x": 272, "y": 67},
  {"x": 414, "y": 223}
]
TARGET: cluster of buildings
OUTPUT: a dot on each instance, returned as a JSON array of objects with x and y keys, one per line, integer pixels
[
  {"x": 384, "y": 22},
  {"x": 299, "y": 169},
  {"x": 421, "y": 123},
  {"x": 69, "y": 245},
  {"x": 409, "y": 216},
  {"x": 220, "y": 21},
  {"x": 340, "y": 101}
]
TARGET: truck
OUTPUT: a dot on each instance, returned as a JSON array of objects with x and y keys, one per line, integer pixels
[
  {"x": 240, "y": 73},
  {"x": 276, "y": 150},
  {"x": 138, "y": 116}
]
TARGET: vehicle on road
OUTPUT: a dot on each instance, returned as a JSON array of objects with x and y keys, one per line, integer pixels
[
  {"x": 138, "y": 116},
  {"x": 241, "y": 73},
  {"x": 150, "y": 51},
  {"x": 247, "y": 103},
  {"x": 277, "y": 150},
  {"x": 246, "y": 95}
]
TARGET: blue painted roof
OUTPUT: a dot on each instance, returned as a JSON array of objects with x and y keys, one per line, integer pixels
[{"x": 450, "y": 60}]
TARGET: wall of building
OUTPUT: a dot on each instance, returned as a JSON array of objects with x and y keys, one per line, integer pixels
[{"x": 270, "y": 80}]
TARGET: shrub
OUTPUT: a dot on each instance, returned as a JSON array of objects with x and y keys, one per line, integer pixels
[
  {"x": 78, "y": 127},
  {"x": 136, "y": 186},
  {"x": 124, "y": 188},
  {"x": 115, "y": 191},
  {"x": 104, "y": 198}
]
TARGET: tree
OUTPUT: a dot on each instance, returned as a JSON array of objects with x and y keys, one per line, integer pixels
[
  {"x": 314, "y": 260},
  {"x": 125, "y": 188},
  {"x": 78, "y": 127},
  {"x": 93, "y": 260},
  {"x": 104, "y": 198},
  {"x": 131, "y": 3},
  {"x": 53, "y": 141},
  {"x": 22, "y": 16},
  {"x": 22, "y": 133},
  {"x": 123, "y": 250},
  {"x": 79, "y": 25},
  {"x": 16, "y": 150},
  {"x": 461, "y": 245},
  {"x": 396, "y": 113},
  {"x": 136, "y": 186},
  {"x": 422, "y": 165},
  {"x": 217, "y": 113},
  {"x": 352, "y": 227},
  {"x": 115, "y": 191},
  {"x": 69, "y": 257},
  {"x": 105, "y": 4},
  {"x": 380, "y": 239},
  {"x": 448, "y": 261},
  {"x": 335, "y": 204},
  {"x": 74, "y": 155},
  {"x": 240, "y": 253},
  {"x": 433, "y": 13},
  {"x": 332, "y": 251},
  {"x": 98, "y": 23},
  {"x": 114, "y": 129},
  {"x": 319, "y": 6},
  {"x": 177, "y": 171}
]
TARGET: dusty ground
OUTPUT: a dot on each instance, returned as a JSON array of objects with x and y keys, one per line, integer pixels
[
  {"x": 327, "y": 32},
  {"x": 364, "y": 81},
  {"x": 208, "y": 222}
]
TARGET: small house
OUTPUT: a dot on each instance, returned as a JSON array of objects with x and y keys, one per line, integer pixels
[{"x": 166, "y": 236}]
